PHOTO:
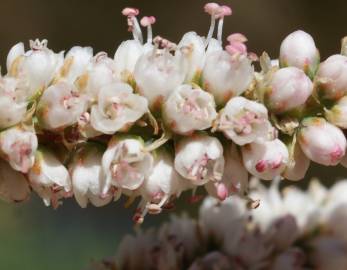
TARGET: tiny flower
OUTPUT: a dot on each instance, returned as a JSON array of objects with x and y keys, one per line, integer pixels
[
  {"x": 331, "y": 78},
  {"x": 188, "y": 109},
  {"x": 49, "y": 178},
  {"x": 235, "y": 177},
  {"x": 126, "y": 163},
  {"x": 60, "y": 106},
  {"x": 226, "y": 76},
  {"x": 157, "y": 73},
  {"x": 195, "y": 47},
  {"x": 18, "y": 147},
  {"x": 297, "y": 167},
  {"x": 199, "y": 158},
  {"x": 299, "y": 50},
  {"x": 12, "y": 103},
  {"x": 162, "y": 181},
  {"x": 321, "y": 141},
  {"x": 13, "y": 185},
  {"x": 244, "y": 121},
  {"x": 117, "y": 108},
  {"x": 88, "y": 178},
  {"x": 265, "y": 160},
  {"x": 100, "y": 72},
  {"x": 76, "y": 63},
  {"x": 288, "y": 89},
  {"x": 36, "y": 67},
  {"x": 337, "y": 115}
]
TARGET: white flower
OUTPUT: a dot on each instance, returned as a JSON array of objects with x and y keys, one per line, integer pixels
[
  {"x": 117, "y": 108},
  {"x": 235, "y": 177},
  {"x": 188, "y": 109},
  {"x": 12, "y": 103},
  {"x": 244, "y": 121},
  {"x": 13, "y": 185},
  {"x": 126, "y": 57},
  {"x": 199, "y": 158},
  {"x": 126, "y": 163},
  {"x": 265, "y": 160},
  {"x": 162, "y": 181},
  {"x": 212, "y": 260},
  {"x": 297, "y": 166},
  {"x": 195, "y": 55},
  {"x": 88, "y": 179},
  {"x": 288, "y": 89},
  {"x": 49, "y": 178},
  {"x": 36, "y": 67},
  {"x": 321, "y": 141},
  {"x": 337, "y": 115},
  {"x": 331, "y": 78},
  {"x": 60, "y": 106},
  {"x": 328, "y": 253},
  {"x": 226, "y": 76},
  {"x": 299, "y": 50},
  {"x": 157, "y": 73},
  {"x": 100, "y": 72},
  {"x": 18, "y": 147},
  {"x": 76, "y": 63}
]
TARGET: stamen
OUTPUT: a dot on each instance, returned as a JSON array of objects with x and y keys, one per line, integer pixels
[
  {"x": 147, "y": 22},
  {"x": 212, "y": 9},
  {"x": 224, "y": 11},
  {"x": 133, "y": 24}
]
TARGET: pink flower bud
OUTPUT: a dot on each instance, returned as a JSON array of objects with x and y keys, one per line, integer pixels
[
  {"x": 199, "y": 158},
  {"x": 337, "y": 115},
  {"x": 265, "y": 160},
  {"x": 244, "y": 121},
  {"x": 299, "y": 50},
  {"x": 18, "y": 147},
  {"x": 13, "y": 185},
  {"x": 288, "y": 89},
  {"x": 188, "y": 109},
  {"x": 331, "y": 78},
  {"x": 49, "y": 178},
  {"x": 226, "y": 76},
  {"x": 321, "y": 141}
]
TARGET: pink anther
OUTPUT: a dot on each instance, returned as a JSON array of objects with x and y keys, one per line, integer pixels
[
  {"x": 212, "y": 8},
  {"x": 236, "y": 37},
  {"x": 147, "y": 21},
  {"x": 130, "y": 12}
]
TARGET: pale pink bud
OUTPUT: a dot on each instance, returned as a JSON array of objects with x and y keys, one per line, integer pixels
[
  {"x": 117, "y": 108},
  {"x": 188, "y": 109},
  {"x": 49, "y": 178},
  {"x": 289, "y": 88},
  {"x": 199, "y": 158},
  {"x": 321, "y": 141},
  {"x": 265, "y": 160},
  {"x": 244, "y": 121},
  {"x": 331, "y": 78},
  {"x": 235, "y": 177},
  {"x": 226, "y": 76},
  {"x": 126, "y": 163},
  {"x": 13, "y": 185},
  {"x": 337, "y": 115},
  {"x": 88, "y": 178},
  {"x": 299, "y": 50},
  {"x": 157, "y": 73},
  {"x": 18, "y": 147},
  {"x": 60, "y": 106}
]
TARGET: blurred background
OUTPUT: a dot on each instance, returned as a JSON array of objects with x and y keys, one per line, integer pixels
[{"x": 35, "y": 237}]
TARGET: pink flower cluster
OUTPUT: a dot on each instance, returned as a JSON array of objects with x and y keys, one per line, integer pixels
[{"x": 160, "y": 118}]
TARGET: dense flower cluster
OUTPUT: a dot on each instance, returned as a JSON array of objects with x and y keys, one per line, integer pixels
[
  {"x": 160, "y": 118},
  {"x": 292, "y": 229}
]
